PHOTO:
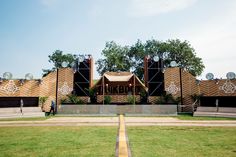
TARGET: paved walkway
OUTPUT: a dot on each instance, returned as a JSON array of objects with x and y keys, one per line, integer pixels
[
  {"x": 123, "y": 150},
  {"x": 114, "y": 121}
]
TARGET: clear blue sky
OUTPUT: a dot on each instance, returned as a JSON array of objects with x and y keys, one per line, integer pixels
[{"x": 30, "y": 30}]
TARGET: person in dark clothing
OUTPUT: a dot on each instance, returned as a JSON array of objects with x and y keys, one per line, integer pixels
[
  {"x": 52, "y": 108},
  {"x": 21, "y": 106}
]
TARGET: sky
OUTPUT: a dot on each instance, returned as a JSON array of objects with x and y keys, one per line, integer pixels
[{"x": 30, "y": 30}]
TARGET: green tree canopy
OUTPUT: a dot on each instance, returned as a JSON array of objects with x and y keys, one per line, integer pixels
[
  {"x": 131, "y": 58},
  {"x": 116, "y": 58},
  {"x": 57, "y": 58}
]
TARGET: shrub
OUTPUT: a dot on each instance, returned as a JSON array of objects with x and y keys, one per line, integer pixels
[
  {"x": 92, "y": 94},
  {"x": 143, "y": 96},
  {"x": 107, "y": 99},
  {"x": 79, "y": 101},
  {"x": 167, "y": 99},
  {"x": 131, "y": 99},
  {"x": 160, "y": 100},
  {"x": 196, "y": 97},
  {"x": 42, "y": 101},
  {"x": 74, "y": 99},
  {"x": 64, "y": 100}
]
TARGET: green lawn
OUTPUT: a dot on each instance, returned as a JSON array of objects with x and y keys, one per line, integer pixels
[
  {"x": 190, "y": 117},
  {"x": 182, "y": 141},
  {"x": 57, "y": 141},
  {"x": 26, "y": 119}
]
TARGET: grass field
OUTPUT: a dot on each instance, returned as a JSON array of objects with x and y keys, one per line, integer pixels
[
  {"x": 182, "y": 141},
  {"x": 26, "y": 119},
  {"x": 57, "y": 141},
  {"x": 190, "y": 117}
]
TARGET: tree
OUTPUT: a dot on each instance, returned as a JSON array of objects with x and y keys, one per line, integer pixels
[
  {"x": 178, "y": 51},
  {"x": 116, "y": 58},
  {"x": 132, "y": 58},
  {"x": 57, "y": 58},
  {"x": 185, "y": 56}
]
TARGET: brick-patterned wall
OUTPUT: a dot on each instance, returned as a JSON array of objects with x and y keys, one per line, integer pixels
[
  {"x": 65, "y": 80},
  {"x": 215, "y": 87},
  {"x": 85, "y": 99},
  {"x": 152, "y": 99},
  {"x": 189, "y": 86},
  {"x": 172, "y": 78},
  {"x": 99, "y": 98},
  {"x": 47, "y": 88},
  {"x": 28, "y": 89}
]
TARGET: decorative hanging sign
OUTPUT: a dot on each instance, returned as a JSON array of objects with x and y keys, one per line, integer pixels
[
  {"x": 228, "y": 87},
  {"x": 172, "y": 89},
  {"x": 65, "y": 89},
  {"x": 10, "y": 87}
]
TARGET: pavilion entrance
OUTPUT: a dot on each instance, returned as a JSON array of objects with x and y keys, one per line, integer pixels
[{"x": 120, "y": 86}]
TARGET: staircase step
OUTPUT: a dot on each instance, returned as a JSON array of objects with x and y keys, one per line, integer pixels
[
  {"x": 27, "y": 112},
  {"x": 212, "y": 112}
]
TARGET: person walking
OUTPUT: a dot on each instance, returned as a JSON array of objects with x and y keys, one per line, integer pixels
[
  {"x": 52, "y": 108},
  {"x": 21, "y": 106}
]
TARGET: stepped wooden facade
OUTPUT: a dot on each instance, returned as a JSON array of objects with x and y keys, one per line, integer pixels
[{"x": 177, "y": 82}]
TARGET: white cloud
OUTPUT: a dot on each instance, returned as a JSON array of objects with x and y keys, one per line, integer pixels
[{"x": 141, "y": 8}]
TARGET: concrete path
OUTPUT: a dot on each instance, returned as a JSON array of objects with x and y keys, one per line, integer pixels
[
  {"x": 123, "y": 150},
  {"x": 169, "y": 121},
  {"x": 114, "y": 121},
  {"x": 66, "y": 121}
]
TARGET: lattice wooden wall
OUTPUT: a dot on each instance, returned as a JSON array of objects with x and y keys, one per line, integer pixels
[
  {"x": 189, "y": 86},
  {"x": 47, "y": 88}
]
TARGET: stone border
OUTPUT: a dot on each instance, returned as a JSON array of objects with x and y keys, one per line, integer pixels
[{"x": 136, "y": 110}]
